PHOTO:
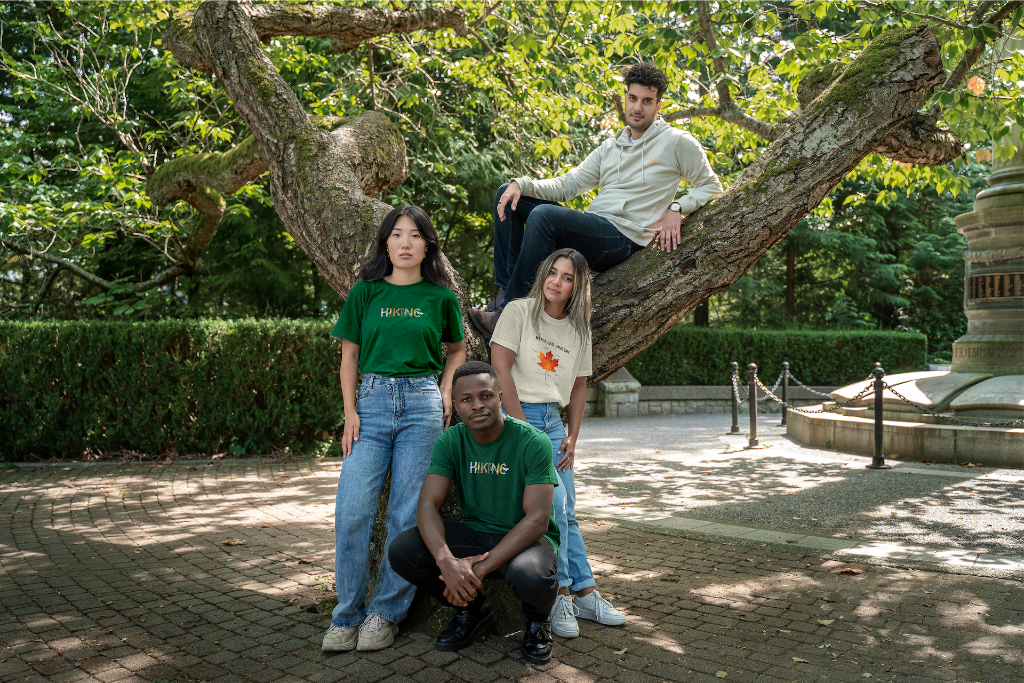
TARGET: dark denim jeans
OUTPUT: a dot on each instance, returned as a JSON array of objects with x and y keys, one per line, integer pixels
[
  {"x": 536, "y": 228},
  {"x": 532, "y": 574}
]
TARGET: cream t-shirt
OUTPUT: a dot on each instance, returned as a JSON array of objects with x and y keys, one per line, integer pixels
[{"x": 549, "y": 356}]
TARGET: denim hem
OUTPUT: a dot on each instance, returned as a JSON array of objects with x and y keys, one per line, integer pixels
[
  {"x": 565, "y": 584},
  {"x": 333, "y": 623},
  {"x": 382, "y": 615},
  {"x": 588, "y": 583}
]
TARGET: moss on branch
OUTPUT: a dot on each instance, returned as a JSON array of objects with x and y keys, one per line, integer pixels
[{"x": 862, "y": 74}]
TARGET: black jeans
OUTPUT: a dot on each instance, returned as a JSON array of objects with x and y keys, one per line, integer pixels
[
  {"x": 536, "y": 228},
  {"x": 532, "y": 574}
]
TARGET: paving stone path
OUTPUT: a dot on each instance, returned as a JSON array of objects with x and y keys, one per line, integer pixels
[{"x": 121, "y": 573}]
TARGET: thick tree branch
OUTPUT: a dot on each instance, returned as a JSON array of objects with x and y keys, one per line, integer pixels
[
  {"x": 643, "y": 297},
  {"x": 346, "y": 25}
]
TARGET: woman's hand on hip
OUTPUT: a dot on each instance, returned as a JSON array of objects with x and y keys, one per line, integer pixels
[
  {"x": 568, "y": 451},
  {"x": 351, "y": 433}
]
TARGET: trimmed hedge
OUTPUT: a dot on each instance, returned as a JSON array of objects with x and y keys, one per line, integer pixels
[
  {"x": 701, "y": 355},
  {"x": 194, "y": 386}
]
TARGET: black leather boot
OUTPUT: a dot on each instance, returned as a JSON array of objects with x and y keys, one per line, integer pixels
[
  {"x": 464, "y": 627},
  {"x": 536, "y": 642}
]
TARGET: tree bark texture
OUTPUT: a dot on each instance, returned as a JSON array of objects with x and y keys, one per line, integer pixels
[{"x": 321, "y": 181}]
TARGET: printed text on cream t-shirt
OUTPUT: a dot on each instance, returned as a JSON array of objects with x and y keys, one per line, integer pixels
[{"x": 549, "y": 356}]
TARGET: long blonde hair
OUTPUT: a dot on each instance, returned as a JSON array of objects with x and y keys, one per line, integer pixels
[{"x": 577, "y": 308}]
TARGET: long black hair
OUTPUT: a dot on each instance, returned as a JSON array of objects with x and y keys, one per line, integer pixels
[{"x": 432, "y": 269}]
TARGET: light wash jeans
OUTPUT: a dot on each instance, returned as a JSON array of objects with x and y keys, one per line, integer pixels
[
  {"x": 574, "y": 571},
  {"x": 399, "y": 420}
]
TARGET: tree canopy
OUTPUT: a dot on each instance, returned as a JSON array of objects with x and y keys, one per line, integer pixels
[{"x": 132, "y": 184}]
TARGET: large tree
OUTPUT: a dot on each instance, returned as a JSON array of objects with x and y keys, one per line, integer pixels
[{"x": 795, "y": 99}]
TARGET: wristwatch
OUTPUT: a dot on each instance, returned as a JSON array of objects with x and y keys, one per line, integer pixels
[{"x": 674, "y": 206}]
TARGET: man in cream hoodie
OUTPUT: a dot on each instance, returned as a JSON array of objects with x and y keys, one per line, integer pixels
[{"x": 638, "y": 172}]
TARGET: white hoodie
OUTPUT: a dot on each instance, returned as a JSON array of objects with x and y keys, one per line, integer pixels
[{"x": 637, "y": 182}]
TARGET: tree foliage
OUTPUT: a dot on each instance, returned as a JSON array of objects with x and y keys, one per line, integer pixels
[
  {"x": 896, "y": 266},
  {"x": 94, "y": 104}
]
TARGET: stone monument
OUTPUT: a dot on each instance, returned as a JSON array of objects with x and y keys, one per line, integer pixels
[{"x": 985, "y": 383}]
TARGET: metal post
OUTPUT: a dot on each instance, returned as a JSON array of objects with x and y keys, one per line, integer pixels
[
  {"x": 735, "y": 380},
  {"x": 785, "y": 391},
  {"x": 752, "y": 371},
  {"x": 878, "y": 461}
]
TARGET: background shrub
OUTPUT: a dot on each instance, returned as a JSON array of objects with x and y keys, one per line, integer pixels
[
  {"x": 194, "y": 386},
  {"x": 701, "y": 355}
]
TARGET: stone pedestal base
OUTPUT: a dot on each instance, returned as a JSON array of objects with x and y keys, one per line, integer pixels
[{"x": 618, "y": 396}]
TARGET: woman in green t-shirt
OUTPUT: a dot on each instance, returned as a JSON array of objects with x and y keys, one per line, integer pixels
[
  {"x": 541, "y": 351},
  {"x": 392, "y": 327}
]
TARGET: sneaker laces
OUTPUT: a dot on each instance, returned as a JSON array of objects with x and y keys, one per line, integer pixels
[
  {"x": 600, "y": 604},
  {"x": 374, "y": 622},
  {"x": 567, "y": 607}
]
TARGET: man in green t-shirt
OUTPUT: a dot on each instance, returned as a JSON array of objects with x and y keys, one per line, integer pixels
[{"x": 504, "y": 481}]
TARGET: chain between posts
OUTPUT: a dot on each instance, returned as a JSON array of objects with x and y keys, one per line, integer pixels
[
  {"x": 867, "y": 390},
  {"x": 770, "y": 393},
  {"x": 952, "y": 420}
]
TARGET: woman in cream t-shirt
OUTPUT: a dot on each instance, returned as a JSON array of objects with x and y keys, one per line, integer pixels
[{"x": 541, "y": 352}]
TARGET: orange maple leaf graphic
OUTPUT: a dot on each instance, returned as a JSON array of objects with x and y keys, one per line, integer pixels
[{"x": 548, "y": 362}]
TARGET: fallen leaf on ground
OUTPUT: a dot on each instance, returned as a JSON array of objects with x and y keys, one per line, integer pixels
[
  {"x": 620, "y": 652},
  {"x": 782, "y": 630},
  {"x": 78, "y": 543},
  {"x": 825, "y": 622},
  {"x": 792, "y": 540},
  {"x": 266, "y": 526},
  {"x": 797, "y": 659},
  {"x": 234, "y": 541},
  {"x": 750, "y": 560},
  {"x": 867, "y": 675},
  {"x": 292, "y": 601},
  {"x": 721, "y": 674},
  {"x": 601, "y": 522},
  {"x": 851, "y": 570}
]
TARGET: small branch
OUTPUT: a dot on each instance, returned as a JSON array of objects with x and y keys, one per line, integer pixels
[
  {"x": 557, "y": 33},
  {"x": 960, "y": 71},
  {"x": 894, "y": 10},
  {"x": 704, "y": 16},
  {"x": 733, "y": 114},
  {"x": 63, "y": 263},
  {"x": 44, "y": 288},
  {"x": 486, "y": 14},
  {"x": 373, "y": 96},
  {"x": 617, "y": 101}
]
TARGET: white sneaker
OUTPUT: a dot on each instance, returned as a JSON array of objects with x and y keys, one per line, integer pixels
[
  {"x": 563, "y": 617},
  {"x": 339, "y": 639},
  {"x": 376, "y": 633},
  {"x": 592, "y": 606}
]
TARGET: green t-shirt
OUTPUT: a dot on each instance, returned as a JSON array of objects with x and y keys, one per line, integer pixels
[
  {"x": 490, "y": 477},
  {"x": 399, "y": 328}
]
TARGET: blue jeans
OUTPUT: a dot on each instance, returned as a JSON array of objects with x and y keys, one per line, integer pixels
[
  {"x": 574, "y": 571},
  {"x": 536, "y": 228},
  {"x": 399, "y": 420}
]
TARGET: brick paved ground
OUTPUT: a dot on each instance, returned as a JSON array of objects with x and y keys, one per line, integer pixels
[{"x": 120, "y": 574}]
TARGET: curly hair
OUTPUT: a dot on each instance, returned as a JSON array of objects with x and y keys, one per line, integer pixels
[{"x": 647, "y": 75}]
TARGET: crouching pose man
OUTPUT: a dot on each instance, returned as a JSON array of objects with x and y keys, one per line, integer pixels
[{"x": 504, "y": 480}]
